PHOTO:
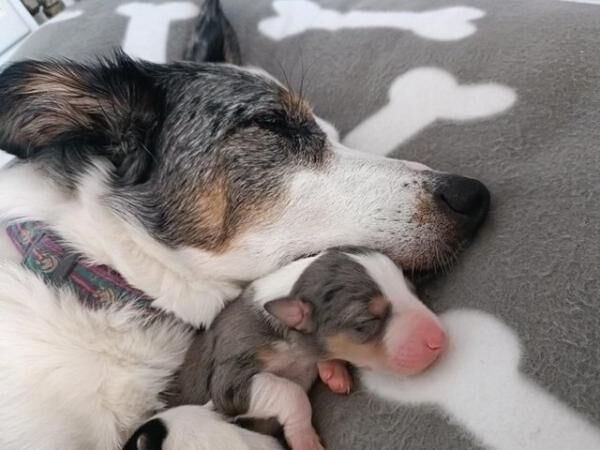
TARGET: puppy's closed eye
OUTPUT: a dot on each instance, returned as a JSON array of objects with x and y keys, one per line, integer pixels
[{"x": 366, "y": 329}]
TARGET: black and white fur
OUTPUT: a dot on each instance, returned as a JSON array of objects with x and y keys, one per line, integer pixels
[{"x": 190, "y": 180}]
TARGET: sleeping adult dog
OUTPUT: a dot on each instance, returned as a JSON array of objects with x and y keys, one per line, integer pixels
[{"x": 189, "y": 180}]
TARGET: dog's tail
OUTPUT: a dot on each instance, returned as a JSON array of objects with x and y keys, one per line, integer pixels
[
  {"x": 196, "y": 428},
  {"x": 213, "y": 39}
]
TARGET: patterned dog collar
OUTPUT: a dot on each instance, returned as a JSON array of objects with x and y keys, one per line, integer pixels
[{"x": 45, "y": 254}]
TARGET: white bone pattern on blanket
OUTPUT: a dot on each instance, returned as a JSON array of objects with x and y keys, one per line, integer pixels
[
  {"x": 298, "y": 16},
  {"x": 421, "y": 97},
  {"x": 478, "y": 382},
  {"x": 477, "y": 387},
  {"x": 148, "y": 28},
  {"x": 586, "y": 2}
]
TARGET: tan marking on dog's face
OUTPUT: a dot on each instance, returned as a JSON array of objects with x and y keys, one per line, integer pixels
[
  {"x": 212, "y": 205},
  {"x": 206, "y": 223},
  {"x": 222, "y": 214},
  {"x": 370, "y": 354}
]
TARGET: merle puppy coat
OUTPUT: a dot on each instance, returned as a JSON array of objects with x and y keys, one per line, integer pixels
[
  {"x": 260, "y": 355},
  {"x": 190, "y": 180}
]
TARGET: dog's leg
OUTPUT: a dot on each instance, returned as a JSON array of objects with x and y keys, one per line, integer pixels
[
  {"x": 196, "y": 428},
  {"x": 75, "y": 378},
  {"x": 213, "y": 39}
]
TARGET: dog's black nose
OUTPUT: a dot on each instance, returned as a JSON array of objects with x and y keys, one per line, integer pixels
[{"x": 465, "y": 196}]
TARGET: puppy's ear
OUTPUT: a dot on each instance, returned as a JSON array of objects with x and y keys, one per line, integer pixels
[
  {"x": 111, "y": 109},
  {"x": 149, "y": 436},
  {"x": 292, "y": 312}
]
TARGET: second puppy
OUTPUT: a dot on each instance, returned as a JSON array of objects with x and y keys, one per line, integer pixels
[{"x": 260, "y": 356}]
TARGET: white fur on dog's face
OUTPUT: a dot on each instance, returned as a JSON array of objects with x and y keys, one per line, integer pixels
[
  {"x": 353, "y": 201},
  {"x": 356, "y": 199}
]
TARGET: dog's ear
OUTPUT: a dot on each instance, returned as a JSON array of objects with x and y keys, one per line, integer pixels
[
  {"x": 293, "y": 313},
  {"x": 111, "y": 109}
]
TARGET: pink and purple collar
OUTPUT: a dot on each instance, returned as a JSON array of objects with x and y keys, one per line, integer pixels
[{"x": 45, "y": 254}]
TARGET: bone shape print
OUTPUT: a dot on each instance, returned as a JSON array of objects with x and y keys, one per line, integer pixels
[
  {"x": 297, "y": 16},
  {"x": 419, "y": 98},
  {"x": 478, "y": 383},
  {"x": 148, "y": 28},
  {"x": 587, "y": 2}
]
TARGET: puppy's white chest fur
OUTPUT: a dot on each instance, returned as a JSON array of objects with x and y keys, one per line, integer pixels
[{"x": 288, "y": 361}]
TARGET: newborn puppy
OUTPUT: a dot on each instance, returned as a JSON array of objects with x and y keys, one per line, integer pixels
[{"x": 260, "y": 356}]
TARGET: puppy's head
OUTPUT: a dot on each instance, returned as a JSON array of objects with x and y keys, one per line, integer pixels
[
  {"x": 358, "y": 307},
  {"x": 226, "y": 165}
]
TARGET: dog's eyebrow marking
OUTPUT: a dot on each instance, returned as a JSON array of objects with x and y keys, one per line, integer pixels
[
  {"x": 297, "y": 16},
  {"x": 421, "y": 97},
  {"x": 148, "y": 27},
  {"x": 478, "y": 383}
]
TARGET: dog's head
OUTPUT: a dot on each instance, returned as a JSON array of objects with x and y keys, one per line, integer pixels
[{"x": 227, "y": 163}]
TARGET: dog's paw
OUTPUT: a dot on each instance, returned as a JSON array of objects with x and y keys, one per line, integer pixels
[{"x": 149, "y": 436}]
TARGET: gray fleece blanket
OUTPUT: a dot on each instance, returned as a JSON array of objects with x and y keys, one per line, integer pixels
[{"x": 507, "y": 92}]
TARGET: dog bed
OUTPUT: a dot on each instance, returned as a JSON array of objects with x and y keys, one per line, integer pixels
[{"x": 506, "y": 92}]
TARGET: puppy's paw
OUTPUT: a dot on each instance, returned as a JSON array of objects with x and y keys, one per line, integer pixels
[
  {"x": 149, "y": 436},
  {"x": 305, "y": 441},
  {"x": 335, "y": 375}
]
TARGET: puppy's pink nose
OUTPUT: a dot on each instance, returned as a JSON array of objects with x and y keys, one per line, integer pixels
[
  {"x": 426, "y": 343},
  {"x": 434, "y": 337},
  {"x": 420, "y": 345}
]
